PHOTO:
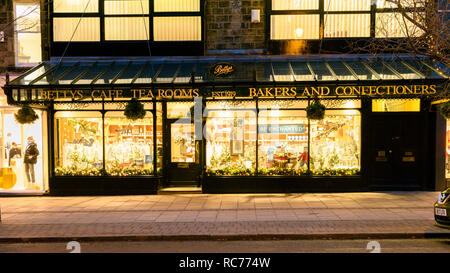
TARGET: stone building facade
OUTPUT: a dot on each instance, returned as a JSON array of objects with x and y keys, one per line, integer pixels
[
  {"x": 229, "y": 27},
  {"x": 7, "y": 36}
]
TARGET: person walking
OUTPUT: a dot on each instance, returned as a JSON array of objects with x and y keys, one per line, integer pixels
[{"x": 30, "y": 159}]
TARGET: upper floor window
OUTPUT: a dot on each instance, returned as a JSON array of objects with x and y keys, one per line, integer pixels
[
  {"x": 316, "y": 19},
  {"x": 27, "y": 34},
  {"x": 126, "y": 20}
]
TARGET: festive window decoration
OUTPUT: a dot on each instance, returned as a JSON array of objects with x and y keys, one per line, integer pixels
[
  {"x": 316, "y": 110},
  {"x": 26, "y": 115},
  {"x": 134, "y": 110}
]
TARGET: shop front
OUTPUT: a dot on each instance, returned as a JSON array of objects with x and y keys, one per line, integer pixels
[
  {"x": 238, "y": 124},
  {"x": 16, "y": 176}
]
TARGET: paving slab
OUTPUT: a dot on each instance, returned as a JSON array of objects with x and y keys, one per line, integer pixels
[{"x": 220, "y": 216}]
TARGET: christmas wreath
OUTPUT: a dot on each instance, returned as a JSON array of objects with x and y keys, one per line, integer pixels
[
  {"x": 315, "y": 110},
  {"x": 445, "y": 110},
  {"x": 134, "y": 110},
  {"x": 26, "y": 115}
]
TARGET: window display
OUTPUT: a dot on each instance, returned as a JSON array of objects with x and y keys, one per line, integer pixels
[
  {"x": 129, "y": 145},
  {"x": 79, "y": 144},
  {"x": 22, "y": 166},
  {"x": 282, "y": 142},
  {"x": 288, "y": 143},
  {"x": 230, "y": 139},
  {"x": 336, "y": 143}
]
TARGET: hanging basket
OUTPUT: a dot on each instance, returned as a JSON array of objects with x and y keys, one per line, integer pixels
[
  {"x": 26, "y": 115},
  {"x": 134, "y": 110},
  {"x": 445, "y": 110},
  {"x": 316, "y": 110}
]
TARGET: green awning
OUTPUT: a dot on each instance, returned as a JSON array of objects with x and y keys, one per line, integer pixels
[{"x": 262, "y": 69}]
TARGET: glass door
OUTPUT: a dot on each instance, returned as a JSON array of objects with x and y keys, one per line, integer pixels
[{"x": 184, "y": 164}]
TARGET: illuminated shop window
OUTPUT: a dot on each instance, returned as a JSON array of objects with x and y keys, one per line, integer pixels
[
  {"x": 28, "y": 34},
  {"x": 336, "y": 143},
  {"x": 295, "y": 4},
  {"x": 347, "y": 25},
  {"x": 177, "y": 110},
  {"x": 282, "y": 142},
  {"x": 159, "y": 139},
  {"x": 20, "y": 174},
  {"x": 78, "y": 6},
  {"x": 394, "y": 25},
  {"x": 78, "y": 143},
  {"x": 129, "y": 145},
  {"x": 295, "y": 27},
  {"x": 176, "y": 5},
  {"x": 396, "y": 105},
  {"x": 230, "y": 139},
  {"x": 187, "y": 28},
  {"x": 126, "y": 28},
  {"x": 447, "y": 151},
  {"x": 76, "y": 29}
]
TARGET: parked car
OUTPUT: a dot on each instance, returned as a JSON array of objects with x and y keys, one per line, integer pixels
[{"x": 442, "y": 209}]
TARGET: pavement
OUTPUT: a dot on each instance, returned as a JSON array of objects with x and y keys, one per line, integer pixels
[{"x": 378, "y": 215}]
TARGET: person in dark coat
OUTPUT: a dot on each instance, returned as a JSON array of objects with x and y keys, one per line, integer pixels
[
  {"x": 14, "y": 152},
  {"x": 30, "y": 159}
]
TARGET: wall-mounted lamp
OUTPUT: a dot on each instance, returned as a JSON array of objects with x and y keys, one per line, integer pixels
[
  {"x": 256, "y": 16},
  {"x": 2, "y": 36}
]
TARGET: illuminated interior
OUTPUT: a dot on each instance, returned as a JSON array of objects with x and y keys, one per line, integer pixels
[
  {"x": 129, "y": 145},
  {"x": 304, "y": 20},
  {"x": 13, "y": 176},
  {"x": 335, "y": 143},
  {"x": 79, "y": 143},
  {"x": 231, "y": 139},
  {"x": 128, "y": 20},
  {"x": 283, "y": 142},
  {"x": 396, "y": 105}
]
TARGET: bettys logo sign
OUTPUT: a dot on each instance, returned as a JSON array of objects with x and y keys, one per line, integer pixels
[{"x": 223, "y": 69}]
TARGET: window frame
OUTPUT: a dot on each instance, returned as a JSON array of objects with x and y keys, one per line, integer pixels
[
  {"x": 16, "y": 34},
  {"x": 55, "y": 154},
  {"x": 322, "y": 12},
  {"x": 150, "y": 16},
  {"x": 357, "y": 107}
]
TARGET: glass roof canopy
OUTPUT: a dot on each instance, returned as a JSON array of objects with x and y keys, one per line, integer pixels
[{"x": 248, "y": 69}]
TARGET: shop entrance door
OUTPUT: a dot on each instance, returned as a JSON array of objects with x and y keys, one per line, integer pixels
[
  {"x": 184, "y": 154},
  {"x": 396, "y": 157}
]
